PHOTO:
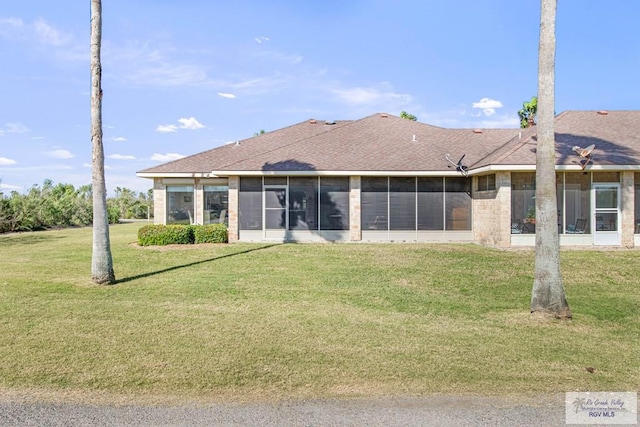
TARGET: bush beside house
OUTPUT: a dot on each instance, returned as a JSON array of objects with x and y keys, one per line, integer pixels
[{"x": 160, "y": 235}]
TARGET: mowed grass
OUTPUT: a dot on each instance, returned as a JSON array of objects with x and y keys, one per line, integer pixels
[{"x": 299, "y": 321}]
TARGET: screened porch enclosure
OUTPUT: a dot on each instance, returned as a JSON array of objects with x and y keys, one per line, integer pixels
[
  {"x": 294, "y": 208},
  {"x": 416, "y": 208}
]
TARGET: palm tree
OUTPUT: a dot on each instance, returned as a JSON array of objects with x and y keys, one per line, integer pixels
[
  {"x": 548, "y": 294},
  {"x": 101, "y": 261},
  {"x": 528, "y": 112}
]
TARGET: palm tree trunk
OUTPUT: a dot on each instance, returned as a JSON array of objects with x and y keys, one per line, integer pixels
[
  {"x": 548, "y": 290},
  {"x": 101, "y": 261}
]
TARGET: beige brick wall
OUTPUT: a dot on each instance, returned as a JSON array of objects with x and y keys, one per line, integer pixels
[
  {"x": 234, "y": 225},
  {"x": 159, "y": 202},
  {"x": 492, "y": 213},
  {"x": 627, "y": 196},
  {"x": 355, "y": 208}
]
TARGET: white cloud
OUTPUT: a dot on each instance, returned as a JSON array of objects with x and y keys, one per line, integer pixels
[
  {"x": 15, "y": 128},
  {"x": 9, "y": 187},
  {"x": 59, "y": 45},
  {"x": 373, "y": 96},
  {"x": 14, "y": 22},
  {"x": 166, "y": 157},
  {"x": 190, "y": 123},
  {"x": 261, "y": 39},
  {"x": 48, "y": 35},
  {"x": 121, "y": 157},
  {"x": 487, "y": 105},
  {"x": 119, "y": 139},
  {"x": 60, "y": 154},
  {"x": 37, "y": 138},
  {"x": 5, "y": 161},
  {"x": 166, "y": 128},
  {"x": 226, "y": 95}
]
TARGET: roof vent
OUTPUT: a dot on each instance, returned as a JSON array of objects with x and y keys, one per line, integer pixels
[
  {"x": 603, "y": 112},
  {"x": 384, "y": 115},
  {"x": 330, "y": 122},
  {"x": 312, "y": 121},
  {"x": 414, "y": 138},
  {"x": 477, "y": 131}
]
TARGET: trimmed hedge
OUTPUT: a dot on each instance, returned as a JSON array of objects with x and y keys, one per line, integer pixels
[
  {"x": 211, "y": 233},
  {"x": 160, "y": 235}
]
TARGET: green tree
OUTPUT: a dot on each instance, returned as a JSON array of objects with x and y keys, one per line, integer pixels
[
  {"x": 408, "y": 116},
  {"x": 548, "y": 294},
  {"x": 101, "y": 259},
  {"x": 528, "y": 112}
]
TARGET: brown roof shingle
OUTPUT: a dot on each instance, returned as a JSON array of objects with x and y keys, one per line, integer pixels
[{"x": 383, "y": 142}]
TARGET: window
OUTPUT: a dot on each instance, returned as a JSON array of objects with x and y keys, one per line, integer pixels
[
  {"x": 303, "y": 203},
  {"x": 430, "y": 203},
  {"x": 423, "y": 203},
  {"x": 458, "y": 202},
  {"x": 216, "y": 204},
  {"x": 375, "y": 203},
  {"x": 250, "y": 203},
  {"x": 523, "y": 202},
  {"x": 402, "y": 199},
  {"x": 334, "y": 203},
  {"x": 577, "y": 196},
  {"x": 180, "y": 204},
  {"x": 487, "y": 182}
]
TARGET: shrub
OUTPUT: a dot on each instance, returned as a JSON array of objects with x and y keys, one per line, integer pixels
[
  {"x": 160, "y": 235},
  {"x": 113, "y": 214},
  {"x": 211, "y": 233}
]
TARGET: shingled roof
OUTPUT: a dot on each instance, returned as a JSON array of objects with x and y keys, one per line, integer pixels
[{"x": 390, "y": 144}]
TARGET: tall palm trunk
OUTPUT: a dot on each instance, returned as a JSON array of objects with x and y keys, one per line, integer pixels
[
  {"x": 101, "y": 261},
  {"x": 548, "y": 291}
]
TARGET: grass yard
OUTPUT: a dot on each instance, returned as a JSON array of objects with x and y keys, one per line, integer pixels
[{"x": 294, "y": 321}]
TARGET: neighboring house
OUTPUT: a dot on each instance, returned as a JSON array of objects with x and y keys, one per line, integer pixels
[{"x": 384, "y": 178}]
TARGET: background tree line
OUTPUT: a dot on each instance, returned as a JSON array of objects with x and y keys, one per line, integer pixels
[{"x": 63, "y": 205}]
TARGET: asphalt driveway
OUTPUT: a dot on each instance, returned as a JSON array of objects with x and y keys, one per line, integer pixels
[{"x": 409, "y": 411}]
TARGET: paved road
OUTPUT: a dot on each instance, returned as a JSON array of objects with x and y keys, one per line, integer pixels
[{"x": 428, "y": 411}]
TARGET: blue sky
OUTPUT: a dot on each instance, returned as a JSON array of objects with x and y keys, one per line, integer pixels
[{"x": 180, "y": 77}]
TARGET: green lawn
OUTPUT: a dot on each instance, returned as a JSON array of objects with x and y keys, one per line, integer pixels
[{"x": 276, "y": 321}]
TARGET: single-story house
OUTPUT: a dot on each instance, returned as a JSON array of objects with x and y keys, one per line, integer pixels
[{"x": 385, "y": 178}]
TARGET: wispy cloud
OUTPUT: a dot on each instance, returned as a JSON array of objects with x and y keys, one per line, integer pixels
[
  {"x": 5, "y": 161},
  {"x": 166, "y": 157},
  {"x": 49, "y": 35},
  {"x": 119, "y": 139},
  {"x": 487, "y": 106},
  {"x": 226, "y": 95},
  {"x": 190, "y": 123},
  {"x": 9, "y": 187},
  {"x": 55, "y": 43},
  {"x": 121, "y": 157},
  {"x": 381, "y": 97},
  {"x": 16, "y": 127},
  {"x": 166, "y": 128},
  {"x": 261, "y": 39},
  {"x": 60, "y": 154}
]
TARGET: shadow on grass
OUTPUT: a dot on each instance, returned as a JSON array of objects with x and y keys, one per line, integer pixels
[
  {"x": 22, "y": 238},
  {"x": 177, "y": 267}
]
